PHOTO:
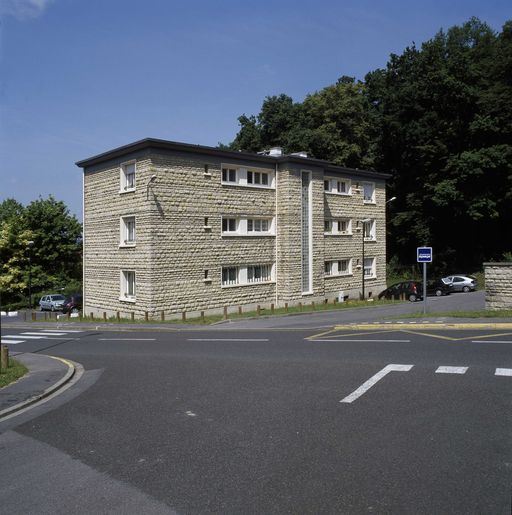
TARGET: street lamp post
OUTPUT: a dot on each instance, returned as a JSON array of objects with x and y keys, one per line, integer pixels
[{"x": 30, "y": 245}]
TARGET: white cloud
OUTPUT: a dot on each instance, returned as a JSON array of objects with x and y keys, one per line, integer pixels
[{"x": 23, "y": 9}]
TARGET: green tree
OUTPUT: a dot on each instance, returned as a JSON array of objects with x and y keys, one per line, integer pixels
[{"x": 55, "y": 254}]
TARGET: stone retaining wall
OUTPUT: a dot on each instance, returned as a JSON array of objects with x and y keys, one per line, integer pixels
[{"x": 498, "y": 286}]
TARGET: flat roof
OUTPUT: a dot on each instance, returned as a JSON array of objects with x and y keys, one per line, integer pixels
[{"x": 155, "y": 143}]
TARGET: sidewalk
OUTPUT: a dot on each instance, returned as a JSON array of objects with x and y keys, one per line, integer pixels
[{"x": 45, "y": 376}]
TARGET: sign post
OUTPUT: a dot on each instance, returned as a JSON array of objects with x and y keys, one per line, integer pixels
[{"x": 424, "y": 255}]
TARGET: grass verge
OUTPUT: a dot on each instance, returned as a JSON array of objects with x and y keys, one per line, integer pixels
[
  {"x": 14, "y": 371},
  {"x": 238, "y": 314}
]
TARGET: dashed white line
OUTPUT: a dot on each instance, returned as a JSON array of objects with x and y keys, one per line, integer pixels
[
  {"x": 25, "y": 337},
  {"x": 127, "y": 339},
  {"x": 451, "y": 370},
  {"x": 374, "y": 379},
  {"x": 491, "y": 341},
  {"x": 12, "y": 342},
  {"x": 227, "y": 339},
  {"x": 44, "y": 334},
  {"x": 503, "y": 372}
]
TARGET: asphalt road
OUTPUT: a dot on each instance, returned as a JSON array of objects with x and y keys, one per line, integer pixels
[{"x": 268, "y": 421}]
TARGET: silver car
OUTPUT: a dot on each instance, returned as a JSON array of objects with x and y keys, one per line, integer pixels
[
  {"x": 52, "y": 302},
  {"x": 461, "y": 282}
]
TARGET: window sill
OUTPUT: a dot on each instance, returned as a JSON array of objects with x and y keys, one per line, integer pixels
[
  {"x": 127, "y": 245},
  {"x": 247, "y": 235},
  {"x": 254, "y": 186},
  {"x": 131, "y": 300},
  {"x": 371, "y": 202},
  {"x": 338, "y": 234},
  {"x": 207, "y": 281},
  {"x": 129, "y": 190},
  {"x": 338, "y": 276},
  {"x": 207, "y": 174},
  {"x": 338, "y": 193}
]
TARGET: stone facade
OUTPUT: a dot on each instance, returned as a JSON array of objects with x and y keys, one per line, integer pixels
[
  {"x": 179, "y": 201},
  {"x": 498, "y": 278}
]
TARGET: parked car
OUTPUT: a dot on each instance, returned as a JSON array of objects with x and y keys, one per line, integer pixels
[
  {"x": 73, "y": 303},
  {"x": 461, "y": 282},
  {"x": 52, "y": 302},
  {"x": 413, "y": 290}
]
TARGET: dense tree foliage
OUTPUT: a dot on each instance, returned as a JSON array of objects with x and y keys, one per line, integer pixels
[
  {"x": 54, "y": 256},
  {"x": 439, "y": 119}
]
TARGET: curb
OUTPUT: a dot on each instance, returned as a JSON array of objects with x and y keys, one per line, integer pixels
[
  {"x": 414, "y": 325},
  {"x": 49, "y": 391}
]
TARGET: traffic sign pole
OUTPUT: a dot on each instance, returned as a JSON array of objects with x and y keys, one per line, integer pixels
[{"x": 424, "y": 255}]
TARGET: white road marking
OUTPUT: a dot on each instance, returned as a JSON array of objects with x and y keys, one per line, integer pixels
[
  {"x": 23, "y": 336},
  {"x": 374, "y": 379},
  {"x": 127, "y": 339},
  {"x": 191, "y": 414},
  {"x": 491, "y": 341},
  {"x": 12, "y": 342},
  {"x": 227, "y": 339},
  {"x": 65, "y": 330},
  {"x": 451, "y": 370},
  {"x": 503, "y": 372},
  {"x": 46, "y": 334},
  {"x": 346, "y": 340}
]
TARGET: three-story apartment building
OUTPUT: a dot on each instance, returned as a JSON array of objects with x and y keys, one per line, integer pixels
[{"x": 176, "y": 227}]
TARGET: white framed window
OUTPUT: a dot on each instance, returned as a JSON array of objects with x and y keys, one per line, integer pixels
[
  {"x": 338, "y": 226},
  {"x": 128, "y": 286},
  {"x": 229, "y": 225},
  {"x": 229, "y": 175},
  {"x": 338, "y": 267},
  {"x": 250, "y": 177},
  {"x": 230, "y": 275},
  {"x": 369, "y": 230},
  {"x": 368, "y": 192},
  {"x": 338, "y": 186},
  {"x": 247, "y": 274},
  {"x": 127, "y": 176},
  {"x": 128, "y": 234},
  {"x": 259, "y": 273},
  {"x": 248, "y": 226},
  {"x": 369, "y": 267}
]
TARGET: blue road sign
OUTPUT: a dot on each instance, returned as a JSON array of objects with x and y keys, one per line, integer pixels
[{"x": 424, "y": 254}]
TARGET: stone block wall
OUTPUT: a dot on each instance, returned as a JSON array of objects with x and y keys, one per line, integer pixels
[{"x": 498, "y": 282}]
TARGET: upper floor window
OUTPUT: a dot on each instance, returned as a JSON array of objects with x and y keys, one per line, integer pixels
[
  {"x": 229, "y": 225},
  {"x": 368, "y": 192},
  {"x": 341, "y": 226},
  {"x": 338, "y": 186},
  {"x": 369, "y": 230},
  {"x": 252, "y": 177},
  {"x": 338, "y": 267},
  {"x": 229, "y": 175},
  {"x": 128, "y": 176},
  {"x": 230, "y": 275},
  {"x": 247, "y": 226},
  {"x": 127, "y": 231}
]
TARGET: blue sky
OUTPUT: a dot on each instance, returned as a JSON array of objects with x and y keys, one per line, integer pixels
[{"x": 79, "y": 77}]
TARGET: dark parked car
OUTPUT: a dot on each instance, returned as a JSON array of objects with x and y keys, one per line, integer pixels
[
  {"x": 72, "y": 304},
  {"x": 413, "y": 290}
]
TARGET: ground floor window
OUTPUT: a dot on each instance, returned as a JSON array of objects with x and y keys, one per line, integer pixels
[
  {"x": 245, "y": 275},
  {"x": 369, "y": 267},
  {"x": 128, "y": 285}
]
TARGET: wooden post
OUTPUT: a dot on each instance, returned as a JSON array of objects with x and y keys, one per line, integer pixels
[
  {"x": 105, "y": 316},
  {"x": 132, "y": 316},
  {"x": 118, "y": 316},
  {"x": 286, "y": 307},
  {"x": 239, "y": 310},
  {"x": 146, "y": 316},
  {"x": 313, "y": 305},
  {"x": 202, "y": 317},
  {"x": 162, "y": 316},
  {"x": 300, "y": 306},
  {"x": 4, "y": 357},
  {"x": 92, "y": 315},
  {"x": 225, "y": 312},
  {"x": 33, "y": 317},
  {"x": 69, "y": 314},
  {"x": 272, "y": 308},
  {"x": 184, "y": 316},
  {"x": 258, "y": 310}
]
